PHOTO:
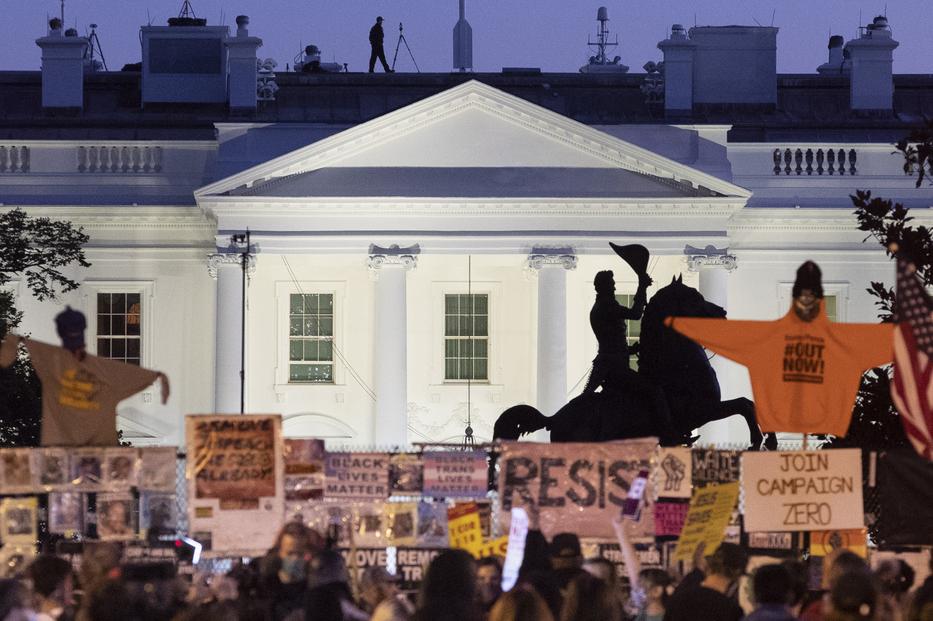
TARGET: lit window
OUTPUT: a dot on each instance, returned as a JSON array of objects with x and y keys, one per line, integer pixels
[
  {"x": 119, "y": 327},
  {"x": 829, "y": 307},
  {"x": 311, "y": 338},
  {"x": 466, "y": 337},
  {"x": 632, "y": 327}
]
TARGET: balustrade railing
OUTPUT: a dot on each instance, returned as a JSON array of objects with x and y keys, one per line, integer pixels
[
  {"x": 119, "y": 159},
  {"x": 14, "y": 159},
  {"x": 829, "y": 161}
]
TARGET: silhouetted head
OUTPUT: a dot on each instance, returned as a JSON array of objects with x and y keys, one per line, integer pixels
[
  {"x": 70, "y": 325},
  {"x": 605, "y": 282},
  {"x": 379, "y": 19}
]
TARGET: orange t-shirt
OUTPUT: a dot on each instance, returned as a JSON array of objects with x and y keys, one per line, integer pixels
[{"x": 805, "y": 375}]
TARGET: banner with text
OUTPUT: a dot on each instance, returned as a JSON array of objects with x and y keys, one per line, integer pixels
[
  {"x": 356, "y": 476},
  {"x": 802, "y": 491},
  {"x": 710, "y": 510},
  {"x": 575, "y": 485},
  {"x": 235, "y": 490},
  {"x": 455, "y": 474}
]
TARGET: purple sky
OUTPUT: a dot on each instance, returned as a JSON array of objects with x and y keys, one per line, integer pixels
[{"x": 550, "y": 34}]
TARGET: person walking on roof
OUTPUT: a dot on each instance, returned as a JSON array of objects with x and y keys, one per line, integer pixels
[{"x": 376, "y": 35}]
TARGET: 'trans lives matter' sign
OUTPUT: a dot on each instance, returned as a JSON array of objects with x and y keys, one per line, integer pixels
[
  {"x": 455, "y": 474},
  {"x": 816, "y": 490}
]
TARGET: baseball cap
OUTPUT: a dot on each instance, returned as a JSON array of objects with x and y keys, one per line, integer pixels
[
  {"x": 565, "y": 545},
  {"x": 379, "y": 19},
  {"x": 70, "y": 325}
]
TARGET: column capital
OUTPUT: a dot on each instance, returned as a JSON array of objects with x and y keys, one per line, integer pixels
[
  {"x": 393, "y": 256},
  {"x": 218, "y": 259},
  {"x": 540, "y": 257},
  {"x": 711, "y": 257}
]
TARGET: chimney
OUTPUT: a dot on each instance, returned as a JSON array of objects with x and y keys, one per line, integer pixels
[
  {"x": 734, "y": 65},
  {"x": 679, "y": 54},
  {"x": 242, "y": 61},
  {"x": 463, "y": 42},
  {"x": 837, "y": 64},
  {"x": 872, "y": 54},
  {"x": 62, "y": 68}
]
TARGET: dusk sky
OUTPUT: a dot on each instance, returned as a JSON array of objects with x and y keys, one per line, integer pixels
[{"x": 550, "y": 34}]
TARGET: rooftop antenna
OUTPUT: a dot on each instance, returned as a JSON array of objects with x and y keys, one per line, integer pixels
[
  {"x": 186, "y": 9},
  {"x": 63, "y": 13},
  {"x": 148, "y": 17},
  {"x": 94, "y": 45},
  {"x": 773, "y": 11},
  {"x": 602, "y": 37}
]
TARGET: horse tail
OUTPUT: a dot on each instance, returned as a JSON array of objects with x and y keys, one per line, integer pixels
[{"x": 517, "y": 421}]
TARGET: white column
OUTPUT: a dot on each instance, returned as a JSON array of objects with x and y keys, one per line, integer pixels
[
  {"x": 551, "y": 268},
  {"x": 714, "y": 266},
  {"x": 390, "y": 360},
  {"x": 226, "y": 269}
]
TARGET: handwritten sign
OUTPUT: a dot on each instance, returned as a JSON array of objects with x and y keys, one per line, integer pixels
[
  {"x": 799, "y": 491},
  {"x": 709, "y": 514},
  {"x": 674, "y": 473},
  {"x": 822, "y": 542},
  {"x": 359, "y": 476},
  {"x": 576, "y": 486},
  {"x": 669, "y": 518},
  {"x": 455, "y": 474},
  {"x": 235, "y": 472},
  {"x": 715, "y": 466},
  {"x": 464, "y": 527}
]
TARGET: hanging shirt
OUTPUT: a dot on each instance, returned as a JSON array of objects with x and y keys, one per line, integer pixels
[
  {"x": 805, "y": 375},
  {"x": 79, "y": 397}
]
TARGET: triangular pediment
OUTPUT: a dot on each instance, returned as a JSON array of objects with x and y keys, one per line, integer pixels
[{"x": 472, "y": 126}]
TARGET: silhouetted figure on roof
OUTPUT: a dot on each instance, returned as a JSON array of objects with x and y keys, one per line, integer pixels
[{"x": 376, "y": 36}]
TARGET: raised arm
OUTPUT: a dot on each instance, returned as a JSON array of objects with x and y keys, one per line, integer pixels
[{"x": 638, "y": 302}]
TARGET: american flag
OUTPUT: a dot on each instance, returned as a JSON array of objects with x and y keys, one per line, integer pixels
[{"x": 912, "y": 389}]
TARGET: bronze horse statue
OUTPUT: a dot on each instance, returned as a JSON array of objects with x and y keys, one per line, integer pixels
[{"x": 672, "y": 363}]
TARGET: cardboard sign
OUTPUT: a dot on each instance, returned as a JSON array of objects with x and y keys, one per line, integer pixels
[
  {"x": 304, "y": 469},
  {"x": 463, "y": 526},
  {"x": 822, "y": 542},
  {"x": 357, "y": 476},
  {"x": 710, "y": 510},
  {"x": 669, "y": 518},
  {"x": 455, "y": 474},
  {"x": 515, "y": 553},
  {"x": 715, "y": 466},
  {"x": 800, "y": 491},
  {"x": 576, "y": 486},
  {"x": 401, "y": 519},
  {"x": 674, "y": 473},
  {"x": 236, "y": 502}
]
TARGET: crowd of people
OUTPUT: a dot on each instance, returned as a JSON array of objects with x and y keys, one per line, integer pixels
[{"x": 304, "y": 578}]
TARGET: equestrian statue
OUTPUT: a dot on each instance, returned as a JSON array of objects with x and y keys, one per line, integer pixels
[{"x": 674, "y": 390}]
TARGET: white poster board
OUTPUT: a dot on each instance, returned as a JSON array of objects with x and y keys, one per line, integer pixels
[
  {"x": 802, "y": 491},
  {"x": 674, "y": 472},
  {"x": 235, "y": 476}
]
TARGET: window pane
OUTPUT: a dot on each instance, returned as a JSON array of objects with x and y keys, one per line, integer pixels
[
  {"x": 311, "y": 326},
  {"x": 295, "y": 305},
  {"x": 450, "y": 304},
  {"x": 479, "y": 369},
  {"x": 464, "y": 325},
  {"x": 294, "y": 326},
  {"x": 451, "y": 326},
  {"x": 311, "y": 303},
  {"x": 326, "y": 325},
  {"x": 481, "y": 326},
  {"x": 450, "y": 368},
  {"x": 480, "y": 304},
  {"x": 450, "y": 348},
  {"x": 479, "y": 348},
  {"x": 326, "y": 304},
  {"x": 103, "y": 348},
  {"x": 310, "y": 350},
  {"x": 118, "y": 324},
  {"x": 117, "y": 348},
  {"x": 131, "y": 300},
  {"x": 132, "y": 348},
  {"x": 829, "y": 303},
  {"x": 295, "y": 349},
  {"x": 634, "y": 328},
  {"x": 103, "y": 302},
  {"x": 118, "y": 303},
  {"x": 466, "y": 348},
  {"x": 325, "y": 350},
  {"x": 103, "y": 325}
]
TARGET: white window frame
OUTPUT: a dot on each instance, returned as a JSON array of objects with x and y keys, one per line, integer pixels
[
  {"x": 283, "y": 290},
  {"x": 440, "y": 289},
  {"x": 839, "y": 289},
  {"x": 486, "y": 338},
  {"x": 146, "y": 291}
]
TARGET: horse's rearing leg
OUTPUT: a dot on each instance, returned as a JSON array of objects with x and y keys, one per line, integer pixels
[{"x": 746, "y": 409}]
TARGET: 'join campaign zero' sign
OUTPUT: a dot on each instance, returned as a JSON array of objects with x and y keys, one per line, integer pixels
[{"x": 815, "y": 490}]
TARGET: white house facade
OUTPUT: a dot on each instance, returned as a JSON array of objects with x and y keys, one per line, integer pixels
[{"x": 422, "y": 249}]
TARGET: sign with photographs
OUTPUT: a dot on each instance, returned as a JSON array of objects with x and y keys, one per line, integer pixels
[
  {"x": 51, "y": 468},
  {"x": 710, "y": 511},
  {"x": 455, "y": 474},
  {"x": 115, "y": 516},
  {"x": 432, "y": 525},
  {"x": 16, "y": 470},
  {"x": 158, "y": 470},
  {"x": 406, "y": 474},
  {"x": 87, "y": 469},
  {"x": 119, "y": 468},
  {"x": 356, "y": 476},
  {"x": 401, "y": 519},
  {"x": 158, "y": 513},
  {"x": 674, "y": 472},
  {"x": 304, "y": 469},
  {"x": 19, "y": 520},
  {"x": 370, "y": 525},
  {"x": 235, "y": 491},
  {"x": 575, "y": 483},
  {"x": 801, "y": 491},
  {"x": 66, "y": 512}
]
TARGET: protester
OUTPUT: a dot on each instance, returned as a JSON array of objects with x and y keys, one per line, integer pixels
[
  {"x": 283, "y": 571},
  {"x": 773, "y": 593},
  {"x": 838, "y": 562},
  {"x": 590, "y": 599},
  {"x": 330, "y": 597},
  {"x": 52, "y": 586},
  {"x": 709, "y": 600},
  {"x": 566, "y": 558},
  {"x": 14, "y": 601},
  {"x": 520, "y": 604},
  {"x": 896, "y": 578},
  {"x": 489, "y": 581},
  {"x": 800, "y": 576},
  {"x": 854, "y": 596},
  {"x": 449, "y": 589},
  {"x": 651, "y": 589},
  {"x": 536, "y": 571},
  {"x": 379, "y": 594},
  {"x": 921, "y": 605}
]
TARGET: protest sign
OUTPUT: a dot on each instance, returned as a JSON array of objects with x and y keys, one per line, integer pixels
[
  {"x": 432, "y": 525},
  {"x": 406, "y": 474},
  {"x": 669, "y": 518},
  {"x": 401, "y": 518},
  {"x": 19, "y": 520},
  {"x": 235, "y": 490},
  {"x": 370, "y": 525},
  {"x": 158, "y": 470},
  {"x": 674, "y": 473},
  {"x": 800, "y": 491},
  {"x": 304, "y": 469},
  {"x": 773, "y": 541},
  {"x": 822, "y": 542},
  {"x": 710, "y": 510},
  {"x": 464, "y": 527},
  {"x": 715, "y": 466},
  {"x": 649, "y": 555},
  {"x": 582, "y": 485},
  {"x": 356, "y": 476},
  {"x": 455, "y": 474},
  {"x": 515, "y": 553},
  {"x": 410, "y": 565}
]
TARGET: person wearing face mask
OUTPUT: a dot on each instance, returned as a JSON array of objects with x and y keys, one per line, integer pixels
[
  {"x": 283, "y": 571},
  {"x": 14, "y": 601}
]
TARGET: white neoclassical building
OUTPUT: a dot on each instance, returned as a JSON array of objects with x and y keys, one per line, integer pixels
[{"x": 422, "y": 248}]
